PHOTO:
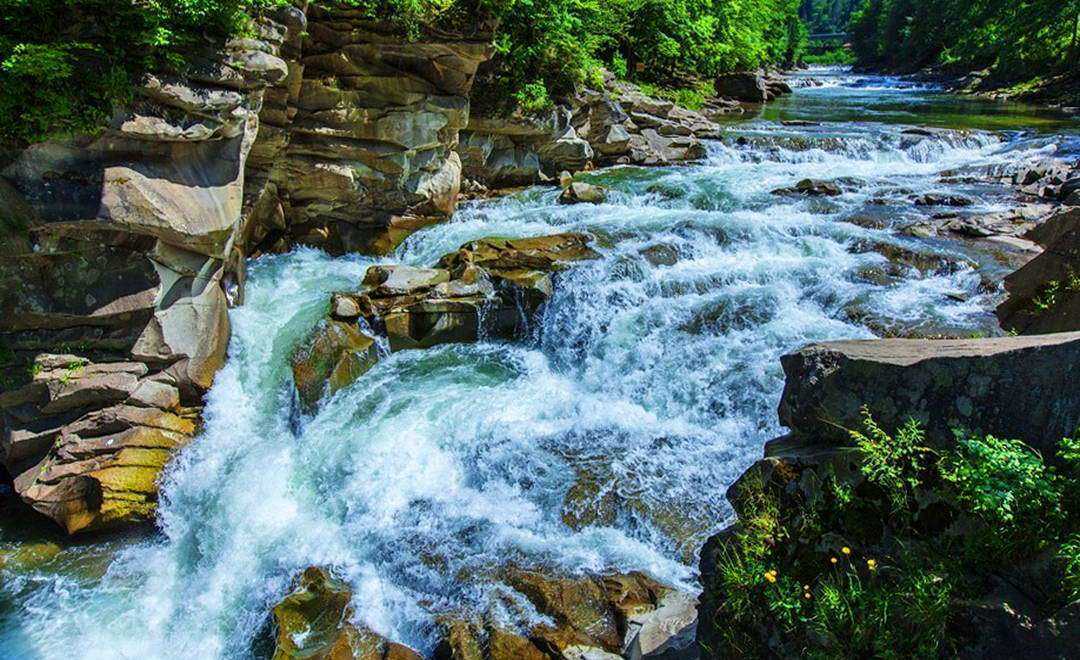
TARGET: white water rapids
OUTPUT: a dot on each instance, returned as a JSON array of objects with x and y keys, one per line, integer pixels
[{"x": 655, "y": 382}]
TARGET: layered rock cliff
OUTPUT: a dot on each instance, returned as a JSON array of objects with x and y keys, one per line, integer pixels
[{"x": 123, "y": 251}]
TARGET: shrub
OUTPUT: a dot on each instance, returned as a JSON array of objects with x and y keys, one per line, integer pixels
[
  {"x": 895, "y": 464},
  {"x": 1003, "y": 482}
]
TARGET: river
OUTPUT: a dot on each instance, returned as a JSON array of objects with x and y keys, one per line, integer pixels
[{"x": 648, "y": 385}]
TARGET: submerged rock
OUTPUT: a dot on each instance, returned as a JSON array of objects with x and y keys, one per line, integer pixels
[
  {"x": 811, "y": 188},
  {"x": 934, "y": 199},
  {"x": 314, "y": 621}
]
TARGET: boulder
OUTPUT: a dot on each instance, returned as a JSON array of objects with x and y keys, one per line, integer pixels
[
  {"x": 743, "y": 86},
  {"x": 491, "y": 287},
  {"x": 578, "y": 192},
  {"x": 1013, "y": 387},
  {"x": 934, "y": 199},
  {"x": 314, "y": 621},
  {"x": 1044, "y": 295},
  {"x": 811, "y": 188},
  {"x": 333, "y": 356},
  {"x": 464, "y": 640},
  {"x": 594, "y": 617}
]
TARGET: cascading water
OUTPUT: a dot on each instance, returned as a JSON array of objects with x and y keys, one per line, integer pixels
[{"x": 649, "y": 384}]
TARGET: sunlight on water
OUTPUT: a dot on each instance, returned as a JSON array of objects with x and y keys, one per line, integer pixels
[{"x": 656, "y": 379}]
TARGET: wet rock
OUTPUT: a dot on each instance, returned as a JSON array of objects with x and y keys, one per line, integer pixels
[
  {"x": 811, "y": 188},
  {"x": 1044, "y": 295},
  {"x": 1069, "y": 193},
  {"x": 592, "y": 616},
  {"x": 661, "y": 255},
  {"x": 464, "y": 640},
  {"x": 934, "y": 199},
  {"x": 333, "y": 356},
  {"x": 1011, "y": 387},
  {"x": 489, "y": 287},
  {"x": 313, "y": 621},
  {"x": 578, "y": 192}
]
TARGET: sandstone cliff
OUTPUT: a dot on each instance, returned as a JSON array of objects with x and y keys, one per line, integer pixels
[{"x": 123, "y": 251}]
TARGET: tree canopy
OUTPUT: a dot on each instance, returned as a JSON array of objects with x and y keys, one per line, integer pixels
[{"x": 1016, "y": 38}]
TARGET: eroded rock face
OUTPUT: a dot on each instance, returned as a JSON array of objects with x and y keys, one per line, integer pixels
[
  {"x": 614, "y": 125},
  {"x": 86, "y": 442},
  {"x": 127, "y": 248},
  {"x": 122, "y": 253},
  {"x": 364, "y": 133},
  {"x": 1012, "y": 387},
  {"x": 313, "y": 621},
  {"x": 491, "y": 287},
  {"x": 1044, "y": 295}
]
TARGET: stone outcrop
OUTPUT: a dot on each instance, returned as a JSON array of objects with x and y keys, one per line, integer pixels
[
  {"x": 617, "y": 124},
  {"x": 1011, "y": 387},
  {"x": 491, "y": 287},
  {"x": 1044, "y": 295},
  {"x": 86, "y": 441},
  {"x": 314, "y": 621},
  {"x": 362, "y": 135},
  {"x": 600, "y": 618},
  {"x": 751, "y": 86},
  {"x": 121, "y": 255}
]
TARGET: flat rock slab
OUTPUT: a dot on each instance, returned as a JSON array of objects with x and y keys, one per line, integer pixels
[{"x": 1014, "y": 387}]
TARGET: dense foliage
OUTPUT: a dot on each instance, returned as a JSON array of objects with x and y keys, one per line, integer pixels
[
  {"x": 1016, "y": 38},
  {"x": 828, "y": 16},
  {"x": 64, "y": 64},
  {"x": 545, "y": 47},
  {"x": 885, "y": 555}
]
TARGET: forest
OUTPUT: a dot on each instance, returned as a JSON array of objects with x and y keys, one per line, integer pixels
[{"x": 1015, "y": 40}]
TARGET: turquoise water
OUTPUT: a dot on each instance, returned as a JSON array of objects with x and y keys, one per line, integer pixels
[{"x": 654, "y": 380}]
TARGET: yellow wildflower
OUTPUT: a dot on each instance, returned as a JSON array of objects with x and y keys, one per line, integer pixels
[
  {"x": 846, "y": 550},
  {"x": 871, "y": 564},
  {"x": 770, "y": 576},
  {"x": 833, "y": 559}
]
